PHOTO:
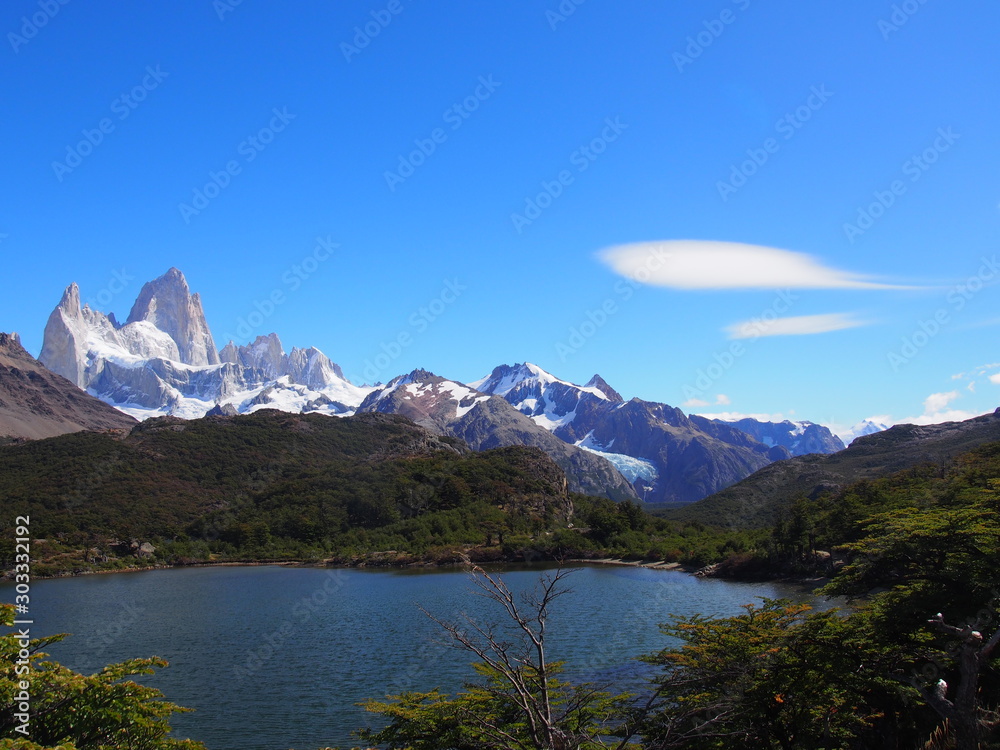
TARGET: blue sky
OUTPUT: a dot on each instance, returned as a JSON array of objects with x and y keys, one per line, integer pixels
[{"x": 495, "y": 176}]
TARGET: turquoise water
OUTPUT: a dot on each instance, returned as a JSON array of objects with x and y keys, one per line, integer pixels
[{"x": 274, "y": 658}]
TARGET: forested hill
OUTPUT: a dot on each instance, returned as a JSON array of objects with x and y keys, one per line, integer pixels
[
  {"x": 762, "y": 498},
  {"x": 297, "y": 477}
]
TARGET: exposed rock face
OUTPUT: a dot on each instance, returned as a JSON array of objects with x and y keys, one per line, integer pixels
[
  {"x": 59, "y": 350},
  {"x": 38, "y": 403},
  {"x": 168, "y": 304},
  {"x": 495, "y": 423},
  {"x": 266, "y": 355},
  {"x": 691, "y": 463},
  {"x": 450, "y": 408},
  {"x": 222, "y": 410}
]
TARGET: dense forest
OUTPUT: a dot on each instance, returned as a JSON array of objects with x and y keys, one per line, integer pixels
[{"x": 371, "y": 490}]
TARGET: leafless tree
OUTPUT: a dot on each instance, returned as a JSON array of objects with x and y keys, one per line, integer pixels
[{"x": 516, "y": 651}]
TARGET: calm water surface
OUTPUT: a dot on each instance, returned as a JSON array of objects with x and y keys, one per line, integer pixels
[{"x": 274, "y": 658}]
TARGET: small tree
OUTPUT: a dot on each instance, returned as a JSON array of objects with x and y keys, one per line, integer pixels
[
  {"x": 914, "y": 562},
  {"x": 71, "y": 711},
  {"x": 522, "y": 704},
  {"x": 776, "y": 676}
]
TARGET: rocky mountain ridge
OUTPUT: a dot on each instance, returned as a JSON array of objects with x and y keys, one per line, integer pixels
[{"x": 37, "y": 403}]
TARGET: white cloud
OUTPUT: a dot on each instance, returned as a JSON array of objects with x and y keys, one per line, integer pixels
[
  {"x": 951, "y": 415},
  {"x": 701, "y": 264},
  {"x": 694, "y": 403},
  {"x": 937, "y": 402},
  {"x": 793, "y": 326},
  {"x": 936, "y": 410},
  {"x": 995, "y": 378}
]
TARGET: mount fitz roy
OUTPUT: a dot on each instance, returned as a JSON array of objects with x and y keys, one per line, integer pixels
[{"x": 164, "y": 361}]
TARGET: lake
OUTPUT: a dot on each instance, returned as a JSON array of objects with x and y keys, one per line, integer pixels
[{"x": 274, "y": 658}]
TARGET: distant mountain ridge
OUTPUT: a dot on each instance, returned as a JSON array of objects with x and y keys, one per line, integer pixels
[
  {"x": 800, "y": 438},
  {"x": 679, "y": 459},
  {"x": 485, "y": 421},
  {"x": 163, "y": 361},
  {"x": 760, "y": 499}
]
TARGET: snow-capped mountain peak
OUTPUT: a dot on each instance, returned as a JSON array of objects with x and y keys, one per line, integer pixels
[
  {"x": 424, "y": 397},
  {"x": 798, "y": 437},
  {"x": 600, "y": 384},
  {"x": 862, "y": 428},
  {"x": 163, "y": 360},
  {"x": 552, "y": 403},
  {"x": 507, "y": 378},
  {"x": 168, "y": 304}
]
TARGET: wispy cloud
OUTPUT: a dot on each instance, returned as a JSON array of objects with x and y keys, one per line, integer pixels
[
  {"x": 802, "y": 325},
  {"x": 702, "y": 264}
]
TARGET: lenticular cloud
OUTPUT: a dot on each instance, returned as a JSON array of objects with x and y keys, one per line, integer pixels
[{"x": 699, "y": 264}]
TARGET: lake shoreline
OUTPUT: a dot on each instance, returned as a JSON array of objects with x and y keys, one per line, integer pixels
[
  {"x": 709, "y": 571},
  {"x": 363, "y": 565}
]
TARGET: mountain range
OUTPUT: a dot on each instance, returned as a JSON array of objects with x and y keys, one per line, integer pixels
[{"x": 163, "y": 361}]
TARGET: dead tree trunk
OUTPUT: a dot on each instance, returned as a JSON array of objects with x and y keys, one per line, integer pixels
[{"x": 963, "y": 712}]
